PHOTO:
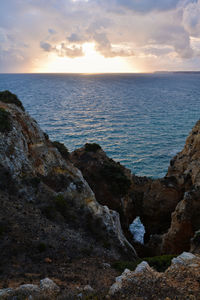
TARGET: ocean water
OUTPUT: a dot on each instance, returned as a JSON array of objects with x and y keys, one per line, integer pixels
[
  {"x": 140, "y": 120},
  {"x": 137, "y": 229}
]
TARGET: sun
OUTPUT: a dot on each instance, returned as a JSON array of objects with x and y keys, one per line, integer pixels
[{"x": 91, "y": 62}]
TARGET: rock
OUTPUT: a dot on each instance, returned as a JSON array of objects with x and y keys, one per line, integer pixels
[
  {"x": 39, "y": 168},
  {"x": 130, "y": 195},
  {"x": 195, "y": 243},
  {"x": 119, "y": 281},
  {"x": 142, "y": 267},
  {"x": 48, "y": 286},
  {"x": 106, "y": 265},
  {"x": 185, "y": 221},
  {"x": 88, "y": 289},
  {"x": 26, "y": 290},
  {"x": 5, "y": 293},
  {"x": 179, "y": 281},
  {"x": 186, "y": 258}
]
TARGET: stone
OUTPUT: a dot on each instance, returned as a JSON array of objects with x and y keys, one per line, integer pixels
[
  {"x": 118, "y": 282},
  {"x": 48, "y": 286},
  {"x": 186, "y": 258},
  {"x": 142, "y": 267},
  {"x": 88, "y": 289},
  {"x": 5, "y": 293}
]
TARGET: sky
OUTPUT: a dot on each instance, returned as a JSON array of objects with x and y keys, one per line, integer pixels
[{"x": 99, "y": 36}]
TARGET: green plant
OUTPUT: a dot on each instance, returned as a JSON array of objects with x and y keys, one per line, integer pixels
[
  {"x": 5, "y": 121},
  {"x": 8, "y": 97},
  {"x": 114, "y": 174},
  {"x": 42, "y": 247},
  {"x": 2, "y": 229},
  {"x": 61, "y": 205},
  {"x": 62, "y": 149},
  {"x": 159, "y": 263},
  {"x": 93, "y": 147}
]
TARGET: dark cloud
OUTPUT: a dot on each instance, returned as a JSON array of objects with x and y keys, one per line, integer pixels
[{"x": 46, "y": 46}]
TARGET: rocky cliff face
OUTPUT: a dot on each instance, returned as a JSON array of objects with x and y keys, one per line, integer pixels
[
  {"x": 184, "y": 167},
  {"x": 47, "y": 207},
  {"x": 168, "y": 207},
  {"x": 130, "y": 195}
]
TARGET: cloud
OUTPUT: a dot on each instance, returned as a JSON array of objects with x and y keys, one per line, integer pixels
[
  {"x": 46, "y": 46},
  {"x": 142, "y": 6},
  {"x": 30, "y": 30},
  {"x": 191, "y": 18},
  {"x": 63, "y": 49}
]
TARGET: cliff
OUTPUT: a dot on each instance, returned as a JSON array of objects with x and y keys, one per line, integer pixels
[
  {"x": 49, "y": 214},
  {"x": 168, "y": 207}
]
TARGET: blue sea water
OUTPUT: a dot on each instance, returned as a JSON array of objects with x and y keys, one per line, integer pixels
[{"x": 140, "y": 120}]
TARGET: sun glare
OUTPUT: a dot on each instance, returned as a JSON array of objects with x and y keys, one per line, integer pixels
[{"x": 91, "y": 62}]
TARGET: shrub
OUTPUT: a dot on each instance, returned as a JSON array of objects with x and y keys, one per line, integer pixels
[
  {"x": 8, "y": 97},
  {"x": 92, "y": 147},
  {"x": 42, "y": 247},
  {"x": 62, "y": 149},
  {"x": 61, "y": 205},
  {"x": 159, "y": 263},
  {"x": 5, "y": 121},
  {"x": 118, "y": 181}
]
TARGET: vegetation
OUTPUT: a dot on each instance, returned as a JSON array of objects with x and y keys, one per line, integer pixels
[
  {"x": 42, "y": 247},
  {"x": 57, "y": 206},
  {"x": 8, "y": 97},
  {"x": 114, "y": 174},
  {"x": 61, "y": 204},
  {"x": 62, "y": 149},
  {"x": 92, "y": 147},
  {"x": 5, "y": 121},
  {"x": 159, "y": 263}
]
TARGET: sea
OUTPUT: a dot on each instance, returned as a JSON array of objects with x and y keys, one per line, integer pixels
[{"x": 140, "y": 120}]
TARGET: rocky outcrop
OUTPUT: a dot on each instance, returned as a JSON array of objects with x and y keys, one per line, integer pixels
[
  {"x": 46, "y": 204},
  {"x": 179, "y": 281},
  {"x": 168, "y": 207},
  {"x": 184, "y": 167},
  {"x": 130, "y": 195},
  {"x": 110, "y": 181},
  {"x": 46, "y": 289}
]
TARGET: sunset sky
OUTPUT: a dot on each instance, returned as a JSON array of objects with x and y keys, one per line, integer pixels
[{"x": 92, "y": 36}]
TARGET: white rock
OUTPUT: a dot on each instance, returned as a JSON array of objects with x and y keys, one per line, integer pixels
[
  {"x": 88, "y": 288},
  {"x": 47, "y": 285},
  {"x": 118, "y": 282},
  {"x": 4, "y": 293},
  {"x": 27, "y": 289},
  {"x": 185, "y": 258},
  {"x": 143, "y": 266}
]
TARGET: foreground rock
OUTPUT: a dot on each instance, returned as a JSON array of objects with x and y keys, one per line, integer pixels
[
  {"x": 46, "y": 289},
  {"x": 179, "y": 281}
]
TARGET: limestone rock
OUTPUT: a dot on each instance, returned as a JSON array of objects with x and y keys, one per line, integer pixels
[
  {"x": 29, "y": 156},
  {"x": 179, "y": 281},
  {"x": 186, "y": 258},
  {"x": 48, "y": 286}
]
